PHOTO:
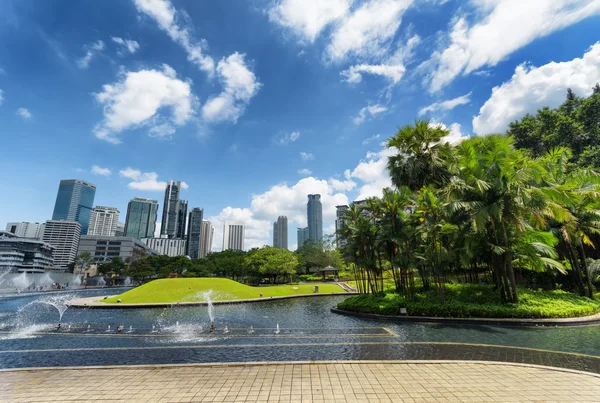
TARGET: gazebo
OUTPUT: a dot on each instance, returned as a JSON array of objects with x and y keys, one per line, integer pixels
[{"x": 329, "y": 270}]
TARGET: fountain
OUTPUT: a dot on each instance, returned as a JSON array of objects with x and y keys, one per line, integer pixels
[
  {"x": 44, "y": 281},
  {"x": 154, "y": 329},
  {"x": 108, "y": 329},
  {"x": 127, "y": 282},
  {"x": 277, "y": 331},
  {"x": 101, "y": 282},
  {"x": 225, "y": 330},
  {"x": 76, "y": 282},
  {"x": 59, "y": 302},
  {"x": 130, "y": 329},
  {"x": 21, "y": 282},
  {"x": 251, "y": 330},
  {"x": 89, "y": 329}
]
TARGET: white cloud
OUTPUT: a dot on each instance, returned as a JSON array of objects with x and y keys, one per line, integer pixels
[
  {"x": 1, "y": 97},
  {"x": 289, "y": 138},
  {"x": 139, "y": 98},
  {"x": 164, "y": 131},
  {"x": 306, "y": 156},
  {"x": 163, "y": 12},
  {"x": 145, "y": 180},
  {"x": 369, "y": 111},
  {"x": 305, "y": 172},
  {"x": 369, "y": 139},
  {"x": 392, "y": 69},
  {"x": 368, "y": 30},
  {"x": 531, "y": 88},
  {"x": 373, "y": 173},
  {"x": 240, "y": 85},
  {"x": 502, "y": 27},
  {"x": 455, "y": 136},
  {"x": 308, "y": 17},
  {"x": 92, "y": 50},
  {"x": 96, "y": 170},
  {"x": 24, "y": 113},
  {"x": 344, "y": 186},
  {"x": 131, "y": 46},
  {"x": 446, "y": 105}
]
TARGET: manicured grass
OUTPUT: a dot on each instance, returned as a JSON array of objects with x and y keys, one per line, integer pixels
[
  {"x": 173, "y": 290},
  {"x": 388, "y": 284},
  {"x": 476, "y": 301}
]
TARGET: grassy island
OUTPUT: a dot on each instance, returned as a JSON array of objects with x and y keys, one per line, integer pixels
[{"x": 172, "y": 290}]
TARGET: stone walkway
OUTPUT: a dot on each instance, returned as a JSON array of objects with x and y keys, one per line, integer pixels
[{"x": 394, "y": 381}]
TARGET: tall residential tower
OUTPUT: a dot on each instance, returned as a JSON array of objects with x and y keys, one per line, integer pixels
[
  {"x": 103, "y": 221},
  {"x": 314, "y": 215},
  {"x": 207, "y": 237},
  {"x": 233, "y": 236},
  {"x": 280, "y": 232},
  {"x": 141, "y": 218},
  {"x": 174, "y": 212},
  {"x": 74, "y": 202}
]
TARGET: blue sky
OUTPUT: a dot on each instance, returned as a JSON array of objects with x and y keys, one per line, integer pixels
[{"x": 255, "y": 104}]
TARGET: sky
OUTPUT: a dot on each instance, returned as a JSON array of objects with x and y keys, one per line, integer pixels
[{"x": 256, "y": 104}]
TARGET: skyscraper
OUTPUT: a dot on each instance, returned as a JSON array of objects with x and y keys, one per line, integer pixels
[
  {"x": 141, "y": 218},
  {"x": 280, "y": 232},
  {"x": 302, "y": 236},
  {"x": 233, "y": 236},
  {"x": 174, "y": 212},
  {"x": 74, "y": 202},
  {"x": 26, "y": 229},
  {"x": 194, "y": 233},
  {"x": 314, "y": 213},
  {"x": 340, "y": 212},
  {"x": 103, "y": 221},
  {"x": 64, "y": 236},
  {"x": 206, "y": 240}
]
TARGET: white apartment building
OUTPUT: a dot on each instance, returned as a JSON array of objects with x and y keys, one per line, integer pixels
[
  {"x": 64, "y": 236},
  {"x": 103, "y": 221},
  {"x": 233, "y": 236},
  {"x": 26, "y": 229},
  {"x": 166, "y": 246},
  {"x": 206, "y": 240}
]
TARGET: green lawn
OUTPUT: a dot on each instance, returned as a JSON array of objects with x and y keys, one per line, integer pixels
[
  {"x": 476, "y": 301},
  {"x": 171, "y": 290}
]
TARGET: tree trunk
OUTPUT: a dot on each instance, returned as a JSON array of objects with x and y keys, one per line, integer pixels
[
  {"x": 509, "y": 267},
  {"x": 575, "y": 263},
  {"x": 587, "y": 272}
]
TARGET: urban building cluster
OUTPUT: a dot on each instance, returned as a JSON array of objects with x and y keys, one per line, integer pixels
[{"x": 77, "y": 227}]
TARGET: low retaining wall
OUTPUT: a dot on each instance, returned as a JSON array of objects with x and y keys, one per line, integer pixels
[
  {"x": 580, "y": 321},
  {"x": 95, "y": 302}
]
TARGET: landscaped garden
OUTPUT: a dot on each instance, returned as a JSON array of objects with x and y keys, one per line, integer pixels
[{"x": 173, "y": 290}]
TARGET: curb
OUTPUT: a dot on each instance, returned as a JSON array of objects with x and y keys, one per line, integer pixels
[{"x": 580, "y": 321}]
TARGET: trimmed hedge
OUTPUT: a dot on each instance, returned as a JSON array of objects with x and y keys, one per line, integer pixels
[{"x": 476, "y": 301}]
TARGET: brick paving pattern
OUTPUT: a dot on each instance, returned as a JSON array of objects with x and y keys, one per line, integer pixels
[{"x": 323, "y": 382}]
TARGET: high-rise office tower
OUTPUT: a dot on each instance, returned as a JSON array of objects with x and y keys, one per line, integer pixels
[
  {"x": 194, "y": 233},
  {"x": 280, "y": 232},
  {"x": 302, "y": 236},
  {"x": 340, "y": 212},
  {"x": 120, "y": 229},
  {"x": 174, "y": 212},
  {"x": 233, "y": 236},
  {"x": 141, "y": 218},
  {"x": 314, "y": 213},
  {"x": 103, "y": 221},
  {"x": 206, "y": 240},
  {"x": 64, "y": 236},
  {"x": 26, "y": 229},
  {"x": 74, "y": 202}
]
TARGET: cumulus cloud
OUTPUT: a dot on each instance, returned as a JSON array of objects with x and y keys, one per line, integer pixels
[
  {"x": 163, "y": 131},
  {"x": 343, "y": 186},
  {"x": 392, "y": 69},
  {"x": 145, "y": 180},
  {"x": 455, "y": 136},
  {"x": 1, "y": 97},
  {"x": 306, "y": 156},
  {"x": 97, "y": 170},
  {"x": 240, "y": 85},
  {"x": 307, "y": 18},
  {"x": 446, "y": 105},
  {"x": 24, "y": 113},
  {"x": 288, "y": 138},
  {"x": 531, "y": 88},
  {"x": 367, "y": 112},
  {"x": 305, "y": 172},
  {"x": 367, "y": 31},
  {"x": 131, "y": 46},
  {"x": 139, "y": 98},
  {"x": 92, "y": 50},
  {"x": 369, "y": 139},
  {"x": 499, "y": 29},
  {"x": 168, "y": 19}
]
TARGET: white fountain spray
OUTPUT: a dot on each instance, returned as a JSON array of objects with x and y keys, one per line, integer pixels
[
  {"x": 21, "y": 282},
  {"x": 251, "y": 329},
  {"x": 277, "y": 331},
  {"x": 108, "y": 329},
  {"x": 226, "y": 330}
]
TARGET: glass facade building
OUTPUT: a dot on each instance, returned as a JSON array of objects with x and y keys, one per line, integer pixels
[
  {"x": 194, "y": 233},
  {"x": 314, "y": 213},
  {"x": 141, "y": 218},
  {"x": 174, "y": 212},
  {"x": 74, "y": 202}
]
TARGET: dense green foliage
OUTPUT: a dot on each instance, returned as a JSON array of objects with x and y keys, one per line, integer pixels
[
  {"x": 174, "y": 290},
  {"x": 574, "y": 124},
  {"x": 482, "y": 210},
  {"x": 475, "y": 301}
]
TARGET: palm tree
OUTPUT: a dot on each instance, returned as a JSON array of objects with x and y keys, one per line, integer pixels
[{"x": 421, "y": 155}]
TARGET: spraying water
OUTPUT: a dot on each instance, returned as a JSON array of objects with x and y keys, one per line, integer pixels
[
  {"x": 101, "y": 282},
  {"x": 277, "y": 331},
  {"x": 127, "y": 282},
  {"x": 108, "y": 329},
  {"x": 251, "y": 329},
  {"x": 76, "y": 283},
  {"x": 89, "y": 328},
  {"x": 45, "y": 280},
  {"x": 59, "y": 302},
  {"x": 225, "y": 330},
  {"x": 21, "y": 282}
]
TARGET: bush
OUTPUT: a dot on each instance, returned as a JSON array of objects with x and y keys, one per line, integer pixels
[
  {"x": 476, "y": 301},
  {"x": 310, "y": 277}
]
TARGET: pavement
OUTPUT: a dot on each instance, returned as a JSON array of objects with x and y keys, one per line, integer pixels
[{"x": 352, "y": 381}]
